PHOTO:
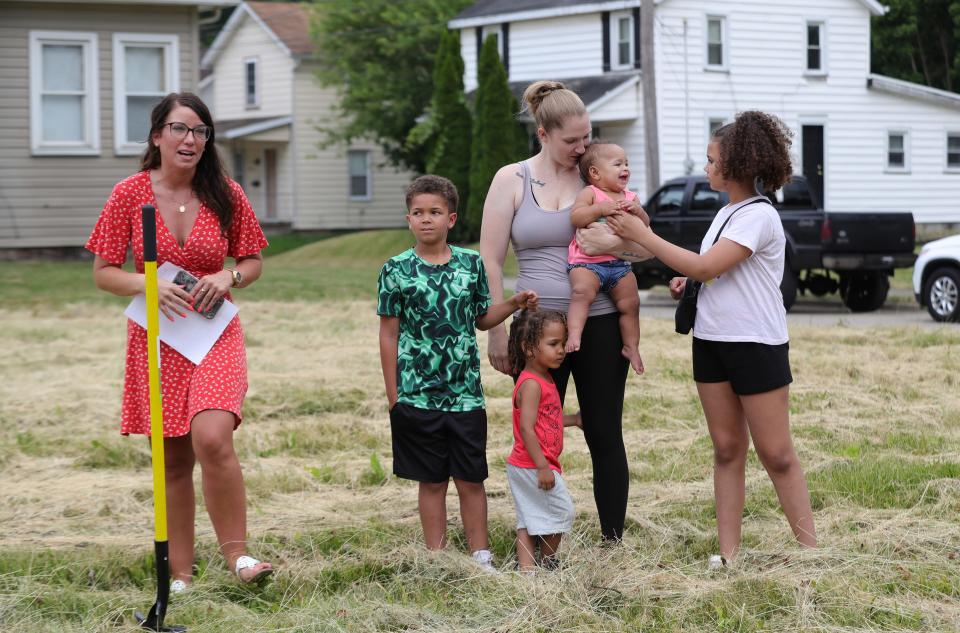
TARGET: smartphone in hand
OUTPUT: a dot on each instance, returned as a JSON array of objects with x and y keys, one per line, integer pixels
[{"x": 188, "y": 281}]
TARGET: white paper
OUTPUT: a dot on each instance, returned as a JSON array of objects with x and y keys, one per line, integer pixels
[{"x": 192, "y": 336}]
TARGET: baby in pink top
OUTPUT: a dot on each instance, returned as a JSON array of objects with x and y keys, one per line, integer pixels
[{"x": 606, "y": 170}]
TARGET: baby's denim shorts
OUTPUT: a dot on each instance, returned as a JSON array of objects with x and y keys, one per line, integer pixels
[{"x": 610, "y": 273}]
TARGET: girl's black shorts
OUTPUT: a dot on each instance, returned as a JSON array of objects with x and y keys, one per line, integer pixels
[{"x": 750, "y": 368}]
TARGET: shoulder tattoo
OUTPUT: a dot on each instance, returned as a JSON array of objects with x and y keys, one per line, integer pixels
[{"x": 538, "y": 183}]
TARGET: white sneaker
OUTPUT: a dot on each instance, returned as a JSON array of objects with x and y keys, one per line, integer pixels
[
  {"x": 716, "y": 562},
  {"x": 484, "y": 558}
]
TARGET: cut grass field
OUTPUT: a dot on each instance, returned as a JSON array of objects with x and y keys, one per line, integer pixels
[{"x": 875, "y": 412}]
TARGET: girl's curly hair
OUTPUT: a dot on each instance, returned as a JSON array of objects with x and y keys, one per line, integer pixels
[
  {"x": 756, "y": 146},
  {"x": 525, "y": 332}
]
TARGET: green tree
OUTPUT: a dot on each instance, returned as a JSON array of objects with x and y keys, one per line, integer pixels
[
  {"x": 919, "y": 41},
  {"x": 449, "y": 153},
  {"x": 498, "y": 139},
  {"x": 379, "y": 55}
]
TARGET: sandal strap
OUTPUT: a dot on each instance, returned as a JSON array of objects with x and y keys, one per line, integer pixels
[{"x": 245, "y": 562}]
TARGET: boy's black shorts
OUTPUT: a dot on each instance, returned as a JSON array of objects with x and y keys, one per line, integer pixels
[
  {"x": 751, "y": 368},
  {"x": 432, "y": 446}
]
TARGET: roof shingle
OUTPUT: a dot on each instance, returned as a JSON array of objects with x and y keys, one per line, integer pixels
[{"x": 289, "y": 21}]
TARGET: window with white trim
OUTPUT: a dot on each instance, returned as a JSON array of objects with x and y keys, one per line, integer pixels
[
  {"x": 897, "y": 151},
  {"x": 250, "y": 82},
  {"x": 716, "y": 41},
  {"x": 816, "y": 48},
  {"x": 953, "y": 150},
  {"x": 495, "y": 31},
  {"x": 621, "y": 41},
  {"x": 64, "y": 99},
  {"x": 358, "y": 166},
  {"x": 714, "y": 124},
  {"x": 145, "y": 70}
]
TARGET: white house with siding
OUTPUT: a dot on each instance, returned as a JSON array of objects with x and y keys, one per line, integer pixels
[
  {"x": 865, "y": 141},
  {"x": 77, "y": 83},
  {"x": 269, "y": 106}
]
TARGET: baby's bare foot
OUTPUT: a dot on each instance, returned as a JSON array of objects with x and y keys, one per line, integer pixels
[{"x": 632, "y": 354}]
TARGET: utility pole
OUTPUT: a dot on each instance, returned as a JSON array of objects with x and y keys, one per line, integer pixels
[{"x": 650, "y": 136}]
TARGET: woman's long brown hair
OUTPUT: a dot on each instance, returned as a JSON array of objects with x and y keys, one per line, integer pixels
[{"x": 210, "y": 179}]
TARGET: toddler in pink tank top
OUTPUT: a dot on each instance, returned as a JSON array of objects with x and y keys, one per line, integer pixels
[
  {"x": 544, "y": 506},
  {"x": 606, "y": 170}
]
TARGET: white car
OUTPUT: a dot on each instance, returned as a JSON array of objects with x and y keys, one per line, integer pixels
[{"x": 936, "y": 278}]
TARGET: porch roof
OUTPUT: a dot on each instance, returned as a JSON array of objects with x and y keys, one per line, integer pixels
[
  {"x": 239, "y": 128},
  {"x": 595, "y": 90},
  {"x": 913, "y": 90}
]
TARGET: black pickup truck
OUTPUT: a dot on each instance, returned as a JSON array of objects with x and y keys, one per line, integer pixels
[{"x": 851, "y": 253}]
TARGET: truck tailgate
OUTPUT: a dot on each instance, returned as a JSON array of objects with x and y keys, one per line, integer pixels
[{"x": 868, "y": 232}]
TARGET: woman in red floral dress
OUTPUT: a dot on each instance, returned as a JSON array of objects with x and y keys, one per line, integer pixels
[{"x": 203, "y": 217}]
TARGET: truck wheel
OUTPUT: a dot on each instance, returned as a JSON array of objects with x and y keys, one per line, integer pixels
[
  {"x": 941, "y": 294},
  {"x": 865, "y": 291},
  {"x": 788, "y": 288}
]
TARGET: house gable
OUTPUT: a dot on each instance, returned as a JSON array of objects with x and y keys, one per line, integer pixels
[
  {"x": 252, "y": 67},
  {"x": 285, "y": 23}
]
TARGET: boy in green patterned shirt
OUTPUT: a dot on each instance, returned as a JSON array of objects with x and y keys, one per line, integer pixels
[{"x": 432, "y": 298}]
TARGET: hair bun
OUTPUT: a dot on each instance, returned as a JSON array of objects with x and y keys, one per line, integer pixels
[{"x": 535, "y": 93}]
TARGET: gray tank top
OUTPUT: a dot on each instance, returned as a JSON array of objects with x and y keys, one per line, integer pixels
[{"x": 540, "y": 240}]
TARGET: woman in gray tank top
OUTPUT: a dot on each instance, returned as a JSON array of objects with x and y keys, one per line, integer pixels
[{"x": 529, "y": 204}]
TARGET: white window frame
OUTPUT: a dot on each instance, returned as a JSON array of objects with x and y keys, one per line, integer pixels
[
  {"x": 493, "y": 29},
  {"x": 708, "y": 121},
  {"x": 815, "y": 72},
  {"x": 948, "y": 168},
  {"x": 170, "y": 44},
  {"x": 90, "y": 146},
  {"x": 255, "y": 61},
  {"x": 724, "y": 43},
  {"x": 893, "y": 169},
  {"x": 614, "y": 27},
  {"x": 369, "y": 156}
]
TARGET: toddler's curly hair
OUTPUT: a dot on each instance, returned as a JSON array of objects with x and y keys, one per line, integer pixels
[
  {"x": 756, "y": 146},
  {"x": 591, "y": 156},
  {"x": 525, "y": 332}
]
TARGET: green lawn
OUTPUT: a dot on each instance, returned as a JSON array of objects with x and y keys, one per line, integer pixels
[
  {"x": 296, "y": 267},
  {"x": 875, "y": 415}
]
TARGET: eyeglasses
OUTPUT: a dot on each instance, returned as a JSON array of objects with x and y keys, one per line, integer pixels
[{"x": 201, "y": 133}]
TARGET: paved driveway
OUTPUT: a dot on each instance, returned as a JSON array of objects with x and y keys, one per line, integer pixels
[{"x": 900, "y": 310}]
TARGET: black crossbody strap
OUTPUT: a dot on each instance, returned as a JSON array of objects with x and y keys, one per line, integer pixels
[{"x": 730, "y": 217}]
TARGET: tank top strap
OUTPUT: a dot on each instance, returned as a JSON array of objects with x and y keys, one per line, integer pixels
[
  {"x": 527, "y": 197},
  {"x": 599, "y": 195}
]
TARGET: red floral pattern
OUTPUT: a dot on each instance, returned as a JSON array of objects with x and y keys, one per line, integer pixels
[{"x": 220, "y": 380}]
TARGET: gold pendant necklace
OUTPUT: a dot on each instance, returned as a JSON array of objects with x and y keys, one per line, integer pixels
[{"x": 183, "y": 205}]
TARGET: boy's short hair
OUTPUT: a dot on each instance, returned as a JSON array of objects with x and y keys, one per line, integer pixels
[
  {"x": 590, "y": 156},
  {"x": 437, "y": 185}
]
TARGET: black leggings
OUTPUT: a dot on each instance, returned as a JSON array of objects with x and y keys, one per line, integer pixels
[{"x": 600, "y": 375}]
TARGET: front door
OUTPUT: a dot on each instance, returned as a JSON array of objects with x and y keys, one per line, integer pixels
[
  {"x": 270, "y": 181},
  {"x": 813, "y": 159}
]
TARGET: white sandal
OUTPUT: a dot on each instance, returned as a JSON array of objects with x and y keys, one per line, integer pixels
[
  {"x": 717, "y": 561},
  {"x": 246, "y": 562}
]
